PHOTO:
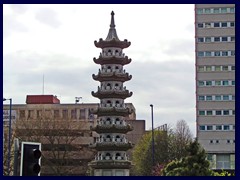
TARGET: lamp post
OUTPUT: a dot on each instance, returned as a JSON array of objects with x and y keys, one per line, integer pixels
[
  {"x": 152, "y": 135},
  {"x": 9, "y": 135}
]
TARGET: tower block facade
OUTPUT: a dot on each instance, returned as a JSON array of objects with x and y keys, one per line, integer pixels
[{"x": 111, "y": 144}]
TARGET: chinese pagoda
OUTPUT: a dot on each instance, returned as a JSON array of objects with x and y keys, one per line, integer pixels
[{"x": 111, "y": 144}]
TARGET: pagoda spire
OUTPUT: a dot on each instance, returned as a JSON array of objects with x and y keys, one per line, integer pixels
[{"x": 112, "y": 33}]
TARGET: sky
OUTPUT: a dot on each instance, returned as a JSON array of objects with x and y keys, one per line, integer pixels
[{"x": 56, "y": 43}]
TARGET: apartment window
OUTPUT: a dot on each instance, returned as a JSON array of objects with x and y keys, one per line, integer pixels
[
  {"x": 207, "y": 25},
  {"x": 202, "y": 128},
  {"x": 218, "y": 98},
  {"x": 208, "y": 83},
  {"x": 208, "y": 53},
  {"x": 208, "y": 68},
  {"x": 225, "y": 83},
  {"x": 211, "y": 141},
  {"x": 30, "y": 113},
  {"x": 226, "y": 112},
  {"x": 202, "y": 113},
  {"x": 200, "y": 54},
  {"x": 228, "y": 141},
  {"x": 217, "y": 141},
  {"x": 200, "y": 68},
  {"x": 224, "y": 53},
  {"x": 232, "y": 10},
  {"x": 233, "y": 68},
  {"x": 218, "y": 112},
  {"x": 223, "y": 10},
  {"x": 22, "y": 113},
  {"x": 207, "y": 39},
  {"x": 218, "y": 68},
  {"x": 218, "y": 83},
  {"x": 233, "y": 83},
  {"x": 232, "y": 24},
  {"x": 199, "y": 11},
  {"x": 224, "y": 39},
  {"x": 209, "y": 128},
  {"x": 219, "y": 127},
  {"x": 216, "y": 10},
  {"x": 216, "y": 24},
  {"x": 225, "y": 97},
  {"x": 82, "y": 114},
  {"x": 201, "y": 83},
  {"x": 233, "y": 113},
  {"x": 201, "y": 98},
  {"x": 73, "y": 114},
  {"x": 232, "y": 38},
  {"x": 226, "y": 127},
  {"x": 224, "y": 24},
  {"x": 225, "y": 68},
  {"x": 209, "y": 98},
  {"x": 216, "y": 39},
  {"x": 209, "y": 113},
  {"x": 233, "y": 127},
  {"x": 217, "y": 53},
  {"x": 233, "y": 98},
  {"x": 56, "y": 113},
  {"x": 200, "y": 39},
  {"x": 207, "y": 11},
  {"x": 65, "y": 114},
  {"x": 223, "y": 161},
  {"x": 232, "y": 53},
  {"x": 200, "y": 25}
]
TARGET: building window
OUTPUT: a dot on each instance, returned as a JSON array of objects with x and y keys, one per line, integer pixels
[
  {"x": 73, "y": 114},
  {"x": 232, "y": 53},
  {"x": 209, "y": 128},
  {"x": 209, "y": 98},
  {"x": 201, "y": 113},
  {"x": 22, "y": 113},
  {"x": 207, "y": 39},
  {"x": 224, "y": 24},
  {"x": 216, "y": 10},
  {"x": 226, "y": 127},
  {"x": 233, "y": 112},
  {"x": 200, "y": 39},
  {"x": 218, "y": 83},
  {"x": 233, "y": 68},
  {"x": 208, "y": 53},
  {"x": 233, "y": 98},
  {"x": 209, "y": 113},
  {"x": 225, "y": 83},
  {"x": 233, "y": 83},
  {"x": 218, "y": 68},
  {"x": 224, "y": 53},
  {"x": 202, "y": 128},
  {"x": 200, "y": 54},
  {"x": 208, "y": 68},
  {"x": 200, "y": 25},
  {"x": 199, "y": 11},
  {"x": 207, "y": 25},
  {"x": 217, "y": 141},
  {"x": 82, "y": 114},
  {"x": 232, "y": 24},
  {"x": 225, "y": 97},
  {"x": 208, "y": 83},
  {"x": 223, "y": 10},
  {"x": 200, "y": 68},
  {"x": 65, "y": 113},
  {"x": 201, "y": 83},
  {"x": 30, "y": 113},
  {"x": 216, "y": 39},
  {"x": 232, "y": 38},
  {"x": 217, "y": 53},
  {"x": 207, "y": 11},
  {"x": 211, "y": 141},
  {"x": 226, "y": 112},
  {"x": 219, "y": 127},
  {"x": 232, "y": 10},
  {"x": 225, "y": 68},
  {"x": 223, "y": 161},
  {"x": 201, "y": 98},
  {"x": 224, "y": 39},
  {"x": 218, "y": 112},
  {"x": 216, "y": 24},
  {"x": 56, "y": 113},
  {"x": 218, "y": 98},
  {"x": 228, "y": 141}
]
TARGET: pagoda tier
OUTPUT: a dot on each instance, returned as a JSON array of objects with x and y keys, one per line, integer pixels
[
  {"x": 112, "y": 76},
  {"x": 112, "y": 146},
  {"x": 112, "y": 60},
  {"x": 112, "y": 43},
  {"x": 123, "y": 94},
  {"x": 111, "y": 164},
  {"x": 112, "y": 128},
  {"x": 111, "y": 111}
]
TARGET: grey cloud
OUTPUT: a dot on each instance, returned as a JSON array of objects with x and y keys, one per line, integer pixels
[
  {"x": 19, "y": 8},
  {"x": 48, "y": 17}
]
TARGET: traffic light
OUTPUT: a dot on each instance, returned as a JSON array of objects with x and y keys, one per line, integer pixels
[{"x": 30, "y": 159}]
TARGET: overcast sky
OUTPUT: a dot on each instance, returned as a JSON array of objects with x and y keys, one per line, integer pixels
[{"x": 57, "y": 41}]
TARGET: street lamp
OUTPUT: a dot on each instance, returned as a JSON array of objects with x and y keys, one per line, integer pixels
[
  {"x": 152, "y": 135},
  {"x": 9, "y": 135}
]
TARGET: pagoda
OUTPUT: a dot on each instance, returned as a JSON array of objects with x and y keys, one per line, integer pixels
[{"x": 111, "y": 144}]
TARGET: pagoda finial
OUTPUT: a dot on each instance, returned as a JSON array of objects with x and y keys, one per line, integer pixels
[
  {"x": 112, "y": 25},
  {"x": 112, "y": 34}
]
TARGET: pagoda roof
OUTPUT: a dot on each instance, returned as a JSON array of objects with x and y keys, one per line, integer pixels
[
  {"x": 112, "y": 60},
  {"x": 112, "y": 146},
  {"x": 112, "y": 39},
  {"x": 112, "y": 76},
  {"x": 123, "y": 94},
  {"x": 111, "y": 111},
  {"x": 111, "y": 164}
]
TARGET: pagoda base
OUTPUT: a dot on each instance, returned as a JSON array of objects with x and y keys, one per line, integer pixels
[{"x": 111, "y": 172}]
